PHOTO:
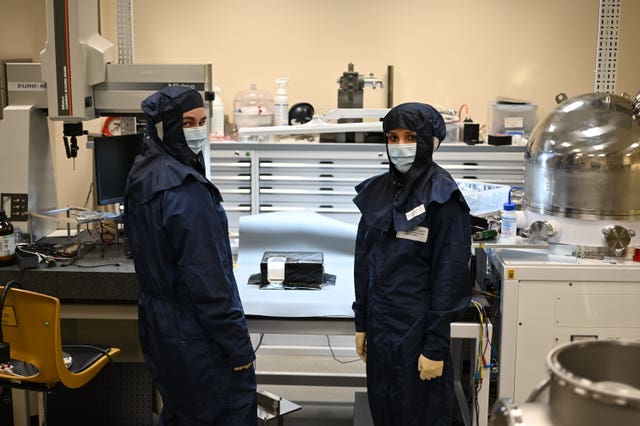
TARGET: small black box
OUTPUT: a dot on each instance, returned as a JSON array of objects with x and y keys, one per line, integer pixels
[
  {"x": 300, "y": 267},
  {"x": 498, "y": 140},
  {"x": 471, "y": 132},
  {"x": 26, "y": 260}
]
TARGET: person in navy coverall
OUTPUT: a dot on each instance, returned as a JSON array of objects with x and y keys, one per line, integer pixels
[
  {"x": 411, "y": 273},
  {"x": 192, "y": 327}
]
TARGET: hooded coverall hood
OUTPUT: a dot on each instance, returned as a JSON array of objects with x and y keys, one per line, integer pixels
[
  {"x": 423, "y": 119},
  {"x": 165, "y": 149},
  {"x": 385, "y": 199},
  {"x": 164, "y": 111}
]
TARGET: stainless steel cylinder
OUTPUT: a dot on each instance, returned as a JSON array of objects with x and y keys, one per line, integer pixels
[
  {"x": 595, "y": 383},
  {"x": 590, "y": 383},
  {"x": 583, "y": 160}
]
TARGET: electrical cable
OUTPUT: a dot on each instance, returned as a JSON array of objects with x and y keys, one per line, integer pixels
[
  {"x": 86, "y": 201},
  {"x": 466, "y": 107},
  {"x": 46, "y": 251},
  {"x": 91, "y": 266},
  {"x": 334, "y": 355},
  {"x": 259, "y": 343},
  {"x": 484, "y": 343},
  {"x": 92, "y": 347}
]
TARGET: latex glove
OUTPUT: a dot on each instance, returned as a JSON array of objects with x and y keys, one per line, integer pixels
[
  {"x": 428, "y": 368},
  {"x": 361, "y": 345},
  {"x": 243, "y": 367}
]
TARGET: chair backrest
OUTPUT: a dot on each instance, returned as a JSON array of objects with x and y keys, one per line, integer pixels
[{"x": 31, "y": 326}]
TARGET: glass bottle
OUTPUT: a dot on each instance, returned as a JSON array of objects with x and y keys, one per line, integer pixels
[{"x": 7, "y": 241}]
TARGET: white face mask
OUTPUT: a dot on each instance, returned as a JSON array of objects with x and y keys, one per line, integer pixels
[
  {"x": 196, "y": 138},
  {"x": 402, "y": 155}
]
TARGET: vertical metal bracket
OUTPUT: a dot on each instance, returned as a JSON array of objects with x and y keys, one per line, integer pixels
[{"x": 607, "y": 51}]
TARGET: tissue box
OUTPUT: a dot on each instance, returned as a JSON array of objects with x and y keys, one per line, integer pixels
[{"x": 300, "y": 267}]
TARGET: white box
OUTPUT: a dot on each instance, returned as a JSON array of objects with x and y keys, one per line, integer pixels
[{"x": 512, "y": 119}]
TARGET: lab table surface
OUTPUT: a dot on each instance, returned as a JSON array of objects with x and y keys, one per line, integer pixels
[{"x": 97, "y": 276}]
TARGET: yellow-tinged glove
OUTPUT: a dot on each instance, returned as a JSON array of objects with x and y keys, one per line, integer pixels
[
  {"x": 428, "y": 368},
  {"x": 243, "y": 367},
  {"x": 361, "y": 345}
]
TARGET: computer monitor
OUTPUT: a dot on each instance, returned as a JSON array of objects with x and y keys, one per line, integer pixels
[{"x": 113, "y": 157}]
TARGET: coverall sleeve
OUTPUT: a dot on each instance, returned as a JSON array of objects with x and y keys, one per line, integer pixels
[
  {"x": 361, "y": 278},
  {"x": 200, "y": 240},
  {"x": 450, "y": 284}
]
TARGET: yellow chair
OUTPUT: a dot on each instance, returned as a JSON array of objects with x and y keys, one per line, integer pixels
[{"x": 31, "y": 327}]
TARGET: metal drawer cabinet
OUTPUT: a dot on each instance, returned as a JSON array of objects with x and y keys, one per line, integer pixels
[{"x": 257, "y": 178}]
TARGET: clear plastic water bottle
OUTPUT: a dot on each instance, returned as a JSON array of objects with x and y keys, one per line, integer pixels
[
  {"x": 281, "y": 104},
  {"x": 509, "y": 224},
  {"x": 217, "y": 116}
]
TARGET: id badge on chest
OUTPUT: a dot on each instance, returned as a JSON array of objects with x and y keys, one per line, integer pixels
[{"x": 419, "y": 233}]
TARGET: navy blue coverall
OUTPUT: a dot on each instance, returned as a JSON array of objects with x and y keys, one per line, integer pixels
[
  {"x": 411, "y": 277},
  {"x": 192, "y": 326}
]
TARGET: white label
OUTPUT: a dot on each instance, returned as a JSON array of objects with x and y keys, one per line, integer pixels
[
  {"x": 7, "y": 245},
  {"x": 275, "y": 269},
  {"x": 513, "y": 122},
  {"x": 419, "y": 233},
  {"x": 28, "y": 86},
  {"x": 415, "y": 212}
]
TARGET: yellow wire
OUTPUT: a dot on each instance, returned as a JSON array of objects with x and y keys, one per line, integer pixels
[{"x": 479, "y": 361}]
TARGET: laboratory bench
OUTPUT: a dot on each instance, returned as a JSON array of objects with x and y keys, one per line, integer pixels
[{"x": 98, "y": 275}]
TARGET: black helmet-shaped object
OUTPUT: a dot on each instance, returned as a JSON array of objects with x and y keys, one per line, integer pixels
[{"x": 301, "y": 113}]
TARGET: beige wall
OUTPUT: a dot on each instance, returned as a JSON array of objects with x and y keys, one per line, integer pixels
[{"x": 444, "y": 52}]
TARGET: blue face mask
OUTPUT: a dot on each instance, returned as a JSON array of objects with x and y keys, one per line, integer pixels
[
  {"x": 402, "y": 155},
  {"x": 196, "y": 138}
]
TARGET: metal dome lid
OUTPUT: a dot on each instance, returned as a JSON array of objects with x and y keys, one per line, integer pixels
[{"x": 583, "y": 160}]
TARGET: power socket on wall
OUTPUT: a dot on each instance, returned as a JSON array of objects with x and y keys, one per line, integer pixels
[{"x": 16, "y": 206}]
